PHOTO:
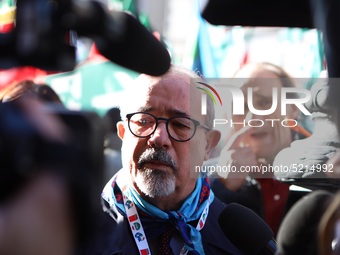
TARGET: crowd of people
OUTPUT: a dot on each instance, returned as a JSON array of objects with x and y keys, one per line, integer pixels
[{"x": 153, "y": 202}]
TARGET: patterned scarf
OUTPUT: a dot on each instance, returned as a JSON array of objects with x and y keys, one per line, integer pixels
[{"x": 191, "y": 210}]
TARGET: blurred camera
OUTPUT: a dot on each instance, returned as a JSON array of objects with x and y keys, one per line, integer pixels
[{"x": 77, "y": 160}]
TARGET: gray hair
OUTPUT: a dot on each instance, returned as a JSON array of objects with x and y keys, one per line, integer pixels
[{"x": 180, "y": 71}]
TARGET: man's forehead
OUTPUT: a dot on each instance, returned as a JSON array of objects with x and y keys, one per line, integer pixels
[{"x": 172, "y": 92}]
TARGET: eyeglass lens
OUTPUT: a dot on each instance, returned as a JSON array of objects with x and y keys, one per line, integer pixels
[{"x": 179, "y": 128}]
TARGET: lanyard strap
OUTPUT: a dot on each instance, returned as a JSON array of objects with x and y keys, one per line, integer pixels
[{"x": 137, "y": 228}]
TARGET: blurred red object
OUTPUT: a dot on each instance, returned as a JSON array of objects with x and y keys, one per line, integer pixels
[
  {"x": 5, "y": 28},
  {"x": 11, "y": 77}
]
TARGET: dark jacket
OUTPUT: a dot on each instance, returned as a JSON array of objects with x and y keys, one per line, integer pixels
[{"x": 114, "y": 235}]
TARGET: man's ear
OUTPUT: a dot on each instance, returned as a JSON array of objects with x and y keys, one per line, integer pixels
[
  {"x": 120, "y": 129},
  {"x": 213, "y": 137}
]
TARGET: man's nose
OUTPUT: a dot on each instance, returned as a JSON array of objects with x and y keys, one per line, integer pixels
[{"x": 160, "y": 137}]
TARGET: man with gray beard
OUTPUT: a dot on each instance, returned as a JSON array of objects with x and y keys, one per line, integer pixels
[
  {"x": 157, "y": 203},
  {"x": 152, "y": 182}
]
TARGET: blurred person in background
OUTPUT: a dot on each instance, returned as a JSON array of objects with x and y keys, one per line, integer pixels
[
  {"x": 27, "y": 87},
  {"x": 255, "y": 146}
]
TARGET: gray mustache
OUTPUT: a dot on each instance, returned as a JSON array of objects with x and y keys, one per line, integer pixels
[{"x": 158, "y": 155}]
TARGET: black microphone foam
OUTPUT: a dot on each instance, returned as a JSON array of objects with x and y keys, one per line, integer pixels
[
  {"x": 121, "y": 38},
  {"x": 246, "y": 230},
  {"x": 298, "y": 233},
  {"x": 139, "y": 50},
  {"x": 258, "y": 13}
]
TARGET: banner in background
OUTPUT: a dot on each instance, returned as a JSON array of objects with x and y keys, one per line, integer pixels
[
  {"x": 93, "y": 86},
  {"x": 222, "y": 50}
]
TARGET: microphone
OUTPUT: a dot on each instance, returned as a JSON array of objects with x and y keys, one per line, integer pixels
[
  {"x": 258, "y": 13},
  {"x": 119, "y": 37},
  {"x": 298, "y": 233},
  {"x": 44, "y": 37},
  {"x": 246, "y": 230}
]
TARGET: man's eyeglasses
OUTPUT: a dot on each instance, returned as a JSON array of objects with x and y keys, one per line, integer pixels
[{"x": 179, "y": 128}]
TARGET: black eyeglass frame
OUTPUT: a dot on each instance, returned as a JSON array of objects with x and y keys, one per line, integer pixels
[{"x": 166, "y": 120}]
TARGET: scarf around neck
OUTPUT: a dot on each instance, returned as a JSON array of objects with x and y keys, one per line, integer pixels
[{"x": 194, "y": 208}]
